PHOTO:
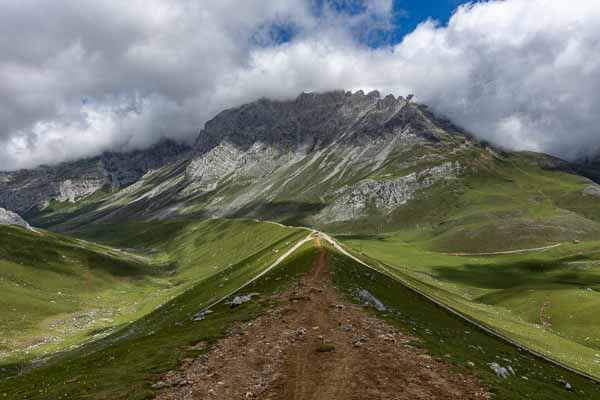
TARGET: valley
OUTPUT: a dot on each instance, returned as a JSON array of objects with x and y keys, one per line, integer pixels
[{"x": 143, "y": 273}]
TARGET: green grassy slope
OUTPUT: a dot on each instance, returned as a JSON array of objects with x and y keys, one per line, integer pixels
[
  {"x": 459, "y": 343},
  {"x": 59, "y": 292},
  {"x": 54, "y": 286},
  {"x": 546, "y": 300},
  {"x": 125, "y": 364},
  {"x": 500, "y": 202}
]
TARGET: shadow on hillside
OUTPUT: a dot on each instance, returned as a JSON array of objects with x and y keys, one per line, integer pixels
[
  {"x": 286, "y": 212},
  {"x": 512, "y": 275},
  {"x": 360, "y": 236}
]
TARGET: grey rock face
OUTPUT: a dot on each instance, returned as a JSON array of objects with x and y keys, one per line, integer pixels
[
  {"x": 311, "y": 118},
  {"x": 11, "y": 218},
  {"x": 26, "y": 189},
  {"x": 352, "y": 202}
]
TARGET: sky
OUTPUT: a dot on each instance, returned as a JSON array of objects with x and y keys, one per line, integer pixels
[{"x": 80, "y": 77}]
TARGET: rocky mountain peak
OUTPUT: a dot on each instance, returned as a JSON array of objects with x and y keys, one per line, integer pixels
[{"x": 312, "y": 118}]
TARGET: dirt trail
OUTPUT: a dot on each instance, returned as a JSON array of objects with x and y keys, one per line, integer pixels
[
  {"x": 315, "y": 345},
  {"x": 500, "y": 253}
]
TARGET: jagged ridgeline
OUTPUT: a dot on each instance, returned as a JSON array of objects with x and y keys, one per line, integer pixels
[{"x": 342, "y": 161}]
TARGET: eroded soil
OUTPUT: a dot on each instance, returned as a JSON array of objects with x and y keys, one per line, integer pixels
[{"x": 316, "y": 345}]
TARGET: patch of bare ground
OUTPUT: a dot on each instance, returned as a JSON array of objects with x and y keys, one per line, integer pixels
[{"x": 315, "y": 345}]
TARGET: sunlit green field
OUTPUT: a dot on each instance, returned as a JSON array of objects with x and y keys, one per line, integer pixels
[
  {"x": 547, "y": 300},
  {"x": 59, "y": 292}
]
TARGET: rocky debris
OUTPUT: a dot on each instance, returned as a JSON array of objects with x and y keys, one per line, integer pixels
[
  {"x": 369, "y": 300},
  {"x": 502, "y": 372},
  {"x": 11, "y": 218},
  {"x": 200, "y": 316},
  {"x": 239, "y": 300}
]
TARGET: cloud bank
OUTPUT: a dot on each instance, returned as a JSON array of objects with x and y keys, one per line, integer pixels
[{"x": 78, "y": 77}]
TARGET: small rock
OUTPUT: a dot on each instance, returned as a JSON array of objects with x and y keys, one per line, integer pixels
[
  {"x": 370, "y": 300},
  {"x": 160, "y": 385},
  {"x": 239, "y": 300},
  {"x": 359, "y": 341},
  {"x": 326, "y": 348},
  {"x": 199, "y": 316},
  {"x": 500, "y": 370},
  {"x": 301, "y": 331}
]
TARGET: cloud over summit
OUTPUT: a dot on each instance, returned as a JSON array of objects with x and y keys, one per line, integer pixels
[{"x": 81, "y": 77}]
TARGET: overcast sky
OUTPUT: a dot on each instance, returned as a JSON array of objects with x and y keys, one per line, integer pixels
[{"x": 84, "y": 76}]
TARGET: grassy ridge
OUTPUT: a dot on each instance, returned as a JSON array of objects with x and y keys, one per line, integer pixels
[
  {"x": 499, "y": 202},
  {"x": 459, "y": 343},
  {"x": 546, "y": 300}
]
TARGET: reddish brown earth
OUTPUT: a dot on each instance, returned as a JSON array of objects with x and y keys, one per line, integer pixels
[{"x": 315, "y": 345}]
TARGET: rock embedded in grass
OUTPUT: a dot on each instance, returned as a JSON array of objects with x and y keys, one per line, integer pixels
[{"x": 326, "y": 348}]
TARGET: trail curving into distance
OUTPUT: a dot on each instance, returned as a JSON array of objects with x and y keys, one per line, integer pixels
[{"x": 315, "y": 234}]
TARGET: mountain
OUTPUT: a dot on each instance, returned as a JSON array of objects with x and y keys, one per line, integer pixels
[
  {"x": 328, "y": 157},
  {"x": 341, "y": 161},
  {"x": 31, "y": 190}
]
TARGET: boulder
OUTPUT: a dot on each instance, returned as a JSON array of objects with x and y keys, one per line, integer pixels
[{"x": 11, "y": 218}]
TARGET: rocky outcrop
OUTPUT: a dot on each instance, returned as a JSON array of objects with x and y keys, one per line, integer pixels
[
  {"x": 11, "y": 218},
  {"x": 352, "y": 202}
]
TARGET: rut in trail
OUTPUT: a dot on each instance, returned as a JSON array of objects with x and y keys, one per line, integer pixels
[{"x": 316, "y": 345}]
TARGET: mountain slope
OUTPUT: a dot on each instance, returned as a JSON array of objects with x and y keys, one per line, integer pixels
[
  {"x": 59, "y": 291},
  {"x": 351, "y": 162},
  {"x": 30, "y": 190}
]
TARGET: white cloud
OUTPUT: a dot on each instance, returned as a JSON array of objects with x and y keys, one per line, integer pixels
[{"x": 89, "y": 76}]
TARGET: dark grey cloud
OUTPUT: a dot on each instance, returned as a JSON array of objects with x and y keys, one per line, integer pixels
[{"x": 80, "y": 77}]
